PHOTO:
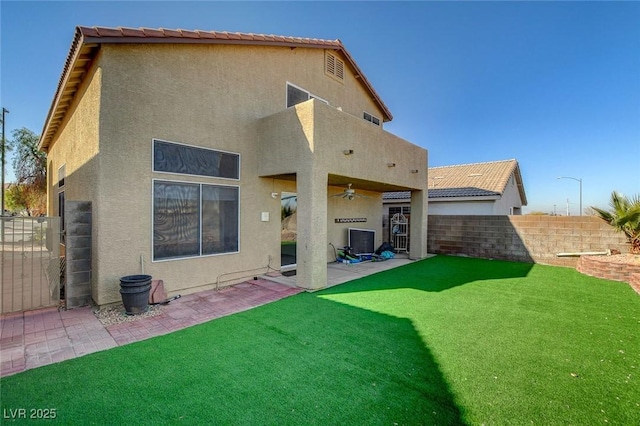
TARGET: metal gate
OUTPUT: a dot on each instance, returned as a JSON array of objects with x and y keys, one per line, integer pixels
[
  {"x": 400, "y": 232},
  {"x": 31, "y": 266}
]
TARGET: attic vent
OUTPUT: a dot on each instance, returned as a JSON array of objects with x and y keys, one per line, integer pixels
[
  {"x": 334, "y": 66},
  {"x": 475, "y": 174}
]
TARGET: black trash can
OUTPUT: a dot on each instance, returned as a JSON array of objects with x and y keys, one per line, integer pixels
[{"x": 134, "y": 290}]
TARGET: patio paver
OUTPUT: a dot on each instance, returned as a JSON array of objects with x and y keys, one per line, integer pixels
[{"x": 35, "y": 338}]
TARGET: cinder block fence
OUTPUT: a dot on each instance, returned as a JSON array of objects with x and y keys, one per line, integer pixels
[{"x": 529, "y": 238}]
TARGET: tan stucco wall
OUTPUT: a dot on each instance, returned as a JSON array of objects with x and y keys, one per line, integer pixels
[
  {"x": 76, "y": 147},
  {"x": 207, "y": 96},
  {"x": 365, "y": 208},
  {"x": 314, "y": 132}
]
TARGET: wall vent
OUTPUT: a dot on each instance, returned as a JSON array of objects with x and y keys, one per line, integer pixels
[{"x": 334, "y": 66}]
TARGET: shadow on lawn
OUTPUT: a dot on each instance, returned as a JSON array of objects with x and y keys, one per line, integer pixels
[{"x": 437, "y": 273}]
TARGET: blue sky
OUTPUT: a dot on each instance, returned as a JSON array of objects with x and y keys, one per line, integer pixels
[{"x": 555, "y": 85}]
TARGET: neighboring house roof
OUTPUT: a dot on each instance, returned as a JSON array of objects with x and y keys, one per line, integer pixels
[
  {"x": 469, "y": 180},
  {"x": 461, "y": 192},
  {"x": 396, "y": 195},
  {"x": 87, "y": 41}
]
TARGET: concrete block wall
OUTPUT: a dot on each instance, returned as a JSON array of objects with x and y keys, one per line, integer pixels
[
  {"x": 78, "y": 253},
  {"x": 529, "y": 238}
]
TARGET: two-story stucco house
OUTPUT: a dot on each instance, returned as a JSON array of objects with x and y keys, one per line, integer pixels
[{"x": 181, "y": 143}]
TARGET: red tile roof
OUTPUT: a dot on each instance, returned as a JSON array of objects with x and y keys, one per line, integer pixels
[
  {"x": 152, "y": 34},
  {"x": 87, "y": 41}
]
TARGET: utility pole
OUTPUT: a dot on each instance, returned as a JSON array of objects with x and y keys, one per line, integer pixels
[
  {"x": 568, "y": 214},
  {"x": 4, "y": 111}
]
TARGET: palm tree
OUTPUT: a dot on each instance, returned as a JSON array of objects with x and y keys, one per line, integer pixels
[{"x": 624, "y": 216}]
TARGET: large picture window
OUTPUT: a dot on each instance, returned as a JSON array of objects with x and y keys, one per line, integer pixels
[
  {"x": 171, "y": 157},
  {"x": 192, "y": 219}
]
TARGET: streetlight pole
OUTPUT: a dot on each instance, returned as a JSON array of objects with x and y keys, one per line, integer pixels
[{"x": 579, "y": 181}]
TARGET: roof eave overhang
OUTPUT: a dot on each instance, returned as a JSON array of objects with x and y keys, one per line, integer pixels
[
  {"x": 520, "y": 184},
  {"x": 69, "y": 80}
]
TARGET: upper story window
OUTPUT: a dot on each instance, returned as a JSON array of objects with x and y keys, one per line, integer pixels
[
  {"x": 61, "y": 175},
  {"x": 170, "y": 157},
  {"x": 296, "y": 95},
  {"x": 372, "y": 119},
  {"x": 333, "y": 66}
]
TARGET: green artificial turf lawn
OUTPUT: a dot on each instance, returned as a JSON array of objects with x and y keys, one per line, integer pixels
[{"x": 441, "y": 341}]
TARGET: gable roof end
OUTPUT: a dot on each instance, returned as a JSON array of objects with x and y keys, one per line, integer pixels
[{"x": 87, "y": 41}]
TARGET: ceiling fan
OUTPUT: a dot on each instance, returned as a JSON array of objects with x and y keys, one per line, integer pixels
[{"x": 350, "y": 193}]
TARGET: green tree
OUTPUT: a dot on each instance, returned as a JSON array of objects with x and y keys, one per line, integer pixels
[
  {"x": 30, "y": 168},
  {"x": 14, "y": 198},
  {"x": 624, "y": 216}
]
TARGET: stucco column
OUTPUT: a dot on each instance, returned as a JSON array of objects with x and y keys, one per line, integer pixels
[
  {"x": 312, "y": 229},
  {"x": 418, "y": 231}
]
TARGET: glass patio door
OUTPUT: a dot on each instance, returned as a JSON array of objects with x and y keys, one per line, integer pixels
[{"x": 289, "y": 230}]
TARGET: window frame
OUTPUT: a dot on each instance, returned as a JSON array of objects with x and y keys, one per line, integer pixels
[
  {"x": 62, "y": 174},
  {"x": 61, "y": 213},
  {"x": 372, "y": 118},
  {"x": 153, "y": 156},
  {"x": 200, "y": 185},
  {"x": 309, "y": 95}
]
